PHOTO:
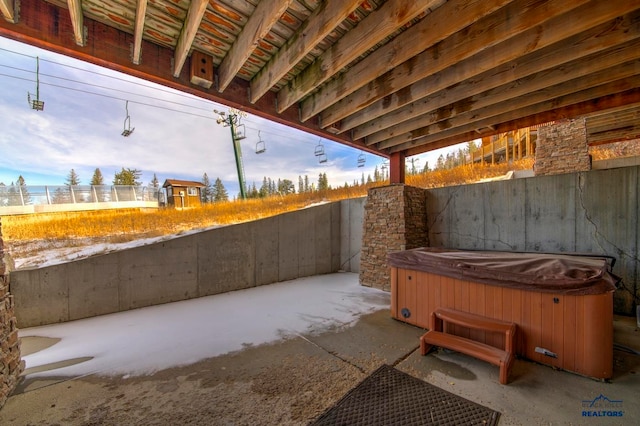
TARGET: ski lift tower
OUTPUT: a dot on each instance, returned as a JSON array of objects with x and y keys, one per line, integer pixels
[{"x": 232, "y": 120}]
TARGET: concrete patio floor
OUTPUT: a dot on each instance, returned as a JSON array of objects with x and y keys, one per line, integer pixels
[{"x": 293, "y": 381}]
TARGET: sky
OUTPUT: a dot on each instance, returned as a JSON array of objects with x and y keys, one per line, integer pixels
[
  {"x": 175, "y": 134},
  {"x": 279, "y": 311}
]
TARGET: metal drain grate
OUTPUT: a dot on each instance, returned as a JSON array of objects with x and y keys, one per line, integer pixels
[{"x": 390, "y": 397}]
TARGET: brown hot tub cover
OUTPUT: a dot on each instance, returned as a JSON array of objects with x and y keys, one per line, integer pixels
[{"x": 551, "y": 273}]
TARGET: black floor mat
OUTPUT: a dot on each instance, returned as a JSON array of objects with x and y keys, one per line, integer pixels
[{"x": 390, "y": 397}]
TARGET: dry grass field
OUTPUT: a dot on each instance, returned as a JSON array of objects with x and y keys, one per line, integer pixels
[{"x": 26, "y": 234}]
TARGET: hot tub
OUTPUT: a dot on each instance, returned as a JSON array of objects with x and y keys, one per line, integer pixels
[{"x": 562, "y": 304}]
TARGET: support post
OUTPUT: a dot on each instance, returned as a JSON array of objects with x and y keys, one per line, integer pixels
[{"x": 397, "y": 167}]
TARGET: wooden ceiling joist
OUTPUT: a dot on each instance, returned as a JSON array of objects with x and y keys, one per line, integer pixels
[
  {"x": 319, "y": 25},
  {"x": 77, "y": 19},
  {"x": 141, "y": 13},
  {"x": 188, "y": 33},
  {"x": 591, "y": 42},
  {"x": 525, "y": 87},
  {"x": 485, "y": 119},
  {"x": 443, "y": 22},
  {"x": 8, "y": 11},
  {"x": 553, "y": 31},
  {"x": 369, "y": 32},
  {"x": 257, "y": 27}
]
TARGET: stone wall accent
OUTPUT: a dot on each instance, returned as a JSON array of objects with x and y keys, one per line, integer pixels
[
  {"x": 10, "y": 362},
  {"x": 395, "y": 218},
  {"x": 562, "y": 148}
]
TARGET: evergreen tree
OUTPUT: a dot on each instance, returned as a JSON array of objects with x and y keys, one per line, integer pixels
[
  {"x": 207, "y": 191},
  {"x": 155, "y": 183},
  {"x": 127, "y": 177},
  {"x": 323, "y": 182},
  {"x": 253, "y": 192},
  {"x": 376, "y": 175},
  {"x": 300, "y": 185},
  {"x": 264, "y": 189},
  {"x": 97, "y": 178},
  {"x": 219, "y": 191},
  {"x": 306, "y": 184},
  {"x": 22, "y": 187},
  {"x": 13, "y": 196},
  {"x": 72, "y": 179}
]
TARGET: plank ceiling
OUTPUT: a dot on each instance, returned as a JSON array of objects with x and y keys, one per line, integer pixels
[{"x": 391, "y": 77}]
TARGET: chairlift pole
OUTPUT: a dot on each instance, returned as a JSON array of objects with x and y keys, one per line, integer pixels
[
  {"x": 237, "y": 151},
  {"x": 231, "y": 120}
]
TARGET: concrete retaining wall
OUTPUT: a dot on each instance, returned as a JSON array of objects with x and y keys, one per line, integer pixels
[
  {"x": 592, "y": 212},
  {"x": 308, "y": 242}
]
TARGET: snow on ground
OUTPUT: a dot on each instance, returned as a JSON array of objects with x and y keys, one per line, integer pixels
[
  {"x": 50, "y": 255},
  {"x": 149, "y": 339}
]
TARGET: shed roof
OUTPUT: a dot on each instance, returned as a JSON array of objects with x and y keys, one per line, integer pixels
[{"x": 182, "y": 183}]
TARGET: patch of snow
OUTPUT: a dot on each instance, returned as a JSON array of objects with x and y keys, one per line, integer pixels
[
  {"x": 49, "y": 256},
  {"x": 149, "y": 339}
]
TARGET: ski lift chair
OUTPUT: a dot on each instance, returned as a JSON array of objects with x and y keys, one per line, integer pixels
[
  {"x": 361, "y": 160},
  {"x": 126, "y": 132},
  {"x": 260, "y": 145}
]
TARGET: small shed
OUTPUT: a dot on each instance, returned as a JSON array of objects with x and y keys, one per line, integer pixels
[{"x": 183, "y": 193}]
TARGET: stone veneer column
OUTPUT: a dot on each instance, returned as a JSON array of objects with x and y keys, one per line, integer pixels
[
  {"x": 562, "y": 148},
  {"x": 395, "y": 218},
  {"x": 10, "y": 362}
]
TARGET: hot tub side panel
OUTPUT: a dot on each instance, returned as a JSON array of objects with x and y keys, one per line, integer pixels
[{"x": 577, "y": 329}]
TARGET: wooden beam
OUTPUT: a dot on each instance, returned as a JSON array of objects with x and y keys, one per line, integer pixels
[
  {"x": 397, "y": 168},
  {"x": 188, "y": 33},
  {"x": 75, "y": 11},
  {"x": 141, "y": 12},
  {"x": 443, "y": 22},
  {"x": 370, "y": 31},
  {"x": 536, "y": 38},
  {"x": 588, "y": 94},
  {"x": 265, "y": 15},
  {"x": 8, "y": 11},
  {"x": 503, "y": 96},
  {"x": 319, "y": 25},
  {"x": 592, "y": 41},
  {"x": 614, "y": 100}
]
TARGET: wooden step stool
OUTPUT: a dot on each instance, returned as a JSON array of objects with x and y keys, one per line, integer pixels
[{"x": 438, "y": 336}]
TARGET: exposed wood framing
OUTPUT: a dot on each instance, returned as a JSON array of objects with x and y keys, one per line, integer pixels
[
  {"x": 141, "y": 12},
  {"x": 373, "y": 29},
  {"x": 75, "y": 11},
  {"x": 188, "y": 33},
  {"x": 589, "y": 94},
  {"x": 591, "y": 42},
  {"x": 264, "y": 17},
  {"x": 8, "y": 11},
  {"x": 390, "y": 77},
  {"x": 610, "y": 101},
  {"x": 508, "y": 23},
  {"x": 443, "y": 22},
  {"x": 536, "y": 38},
  {"x": 524, "y": 90},
  {"x": 321, "y": 23}
]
